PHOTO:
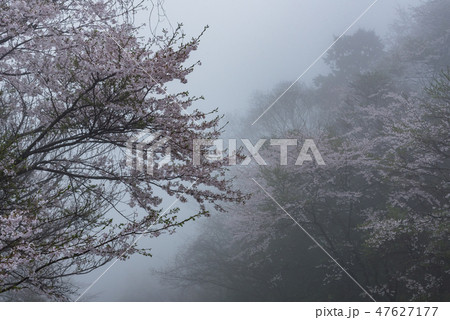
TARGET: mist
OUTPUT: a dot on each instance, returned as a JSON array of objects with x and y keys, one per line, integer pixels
[
  {"x": 348, "y": 200},
  {"x": 249, "y": 48}
]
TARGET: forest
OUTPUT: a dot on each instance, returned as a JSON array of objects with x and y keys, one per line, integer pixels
[
  {"x": 380, "y": 205},
  {"x": 369, "y": 222}
]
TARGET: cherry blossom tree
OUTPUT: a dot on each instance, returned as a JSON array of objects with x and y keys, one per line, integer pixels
[
  {"x": 414, "y": 225},
  {"x": 76, "y": 83}
]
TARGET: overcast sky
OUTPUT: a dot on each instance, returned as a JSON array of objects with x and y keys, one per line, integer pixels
[{"x": 251, "y": 45}]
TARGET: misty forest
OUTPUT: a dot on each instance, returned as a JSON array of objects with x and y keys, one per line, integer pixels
[{"x": 79, "y": 84}]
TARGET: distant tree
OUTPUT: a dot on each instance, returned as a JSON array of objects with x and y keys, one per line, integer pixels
[
  {"x": 355, "y": 54},
  {"x": 294, "y": 110},
  {"x": 423, "y": 39},
  {"x": 413, "y": 228},
  {"x": 352, "y": 56},
  {"x": 76, "y": 83}
]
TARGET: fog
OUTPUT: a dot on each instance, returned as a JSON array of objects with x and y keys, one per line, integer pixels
[
  {"x": 253, "y": 45},
  {"x": 224, "y": 150},
  {"x": 249, "y": 47}
]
